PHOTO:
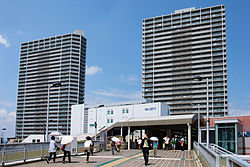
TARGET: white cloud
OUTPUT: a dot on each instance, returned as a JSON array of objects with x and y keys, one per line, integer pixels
[
  {"x": 117, "y": 93},
  {"x": 19, "y": 32},
  {"x": 92, "y": 70},
  {"x": 6, "y": 103},
  {"x": 3, "y": 113},
  {"x": 11, "y": 116},
  {"x": 239, "y": 112},
  {"x": 130, "y": 79},
  {"x": 4, "y": 41}
]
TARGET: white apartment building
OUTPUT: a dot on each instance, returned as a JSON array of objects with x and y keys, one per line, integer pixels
[
  {"x": 84, "y": 118},
  {"x": 180, "y": 46},
  {"x": 42, "y": 63}
]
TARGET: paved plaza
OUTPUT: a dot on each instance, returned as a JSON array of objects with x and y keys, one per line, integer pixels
[{"x": 125, "y": 158}]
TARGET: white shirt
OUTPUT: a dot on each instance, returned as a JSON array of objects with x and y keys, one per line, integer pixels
[
  {"x": 167, "y": 140},
  {"x": 52, "y": 146},
  {"x": 88, "y": 143},
  {"x": 68, "y": 147}
]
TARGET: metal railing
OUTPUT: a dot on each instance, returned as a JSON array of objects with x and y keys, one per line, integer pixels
[
  {"x": 20, "y": 153},
  {"x": 215, "y": 156}
]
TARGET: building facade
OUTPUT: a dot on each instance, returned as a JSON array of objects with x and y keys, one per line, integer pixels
[
  {"x": 84, "y": 118},
  {"x": 232, "y": 133},
  {"x": 179, "y": 46},
  {"x": 42, "y": 63}
]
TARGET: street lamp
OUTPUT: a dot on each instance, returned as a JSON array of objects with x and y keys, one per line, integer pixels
[
  {"x": 198, "y": 78},
  {"x": 55, "y": 84}
]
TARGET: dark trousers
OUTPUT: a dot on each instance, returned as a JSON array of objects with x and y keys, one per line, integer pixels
[
  {"x": 65, "y": 154},
  {"x": 88, "y": 154},
  {"x": 145, "y": 152},
  {"x": 50, "y": 156}
]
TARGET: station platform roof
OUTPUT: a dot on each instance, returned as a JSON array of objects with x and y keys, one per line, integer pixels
[{"x": 154, "y": 121}]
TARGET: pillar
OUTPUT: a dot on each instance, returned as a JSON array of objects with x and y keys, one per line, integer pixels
[
  {"x": 128, "y": 137},
  {"x": 189, "y": 137},
  {"x": 121, "y": 133}
]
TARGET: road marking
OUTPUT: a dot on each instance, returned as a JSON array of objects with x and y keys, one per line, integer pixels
[
  {"x": 120, "y": 160},
  {"x": 103, "y": 156}
]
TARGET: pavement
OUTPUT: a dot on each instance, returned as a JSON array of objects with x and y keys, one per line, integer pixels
[{"x": 126, "y": 158}]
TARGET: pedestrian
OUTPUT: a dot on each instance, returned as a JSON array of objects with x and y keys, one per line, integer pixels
[
  {"x": 182, "y": 144},
  {"x": 67, "y": 149},
  {"x": 113, "y": 147},
  {"x": 155, "y": 146},
  {"x": 173, "y": 143},
  {"x": 167, "y": 143},
  {"x": 139, "y": 143},
  {"x": 52, "y": 149},
  {"x": 88, "y": 145},
  {"x": 146, "y": 145}
]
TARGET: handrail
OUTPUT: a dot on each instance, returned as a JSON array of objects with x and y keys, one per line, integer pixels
[{"x": 219, "y": 156}]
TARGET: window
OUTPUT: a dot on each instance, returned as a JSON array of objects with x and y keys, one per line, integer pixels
[
  {"x": 126, "y": 110},
  {"x": 38, "y": 140},
  {"x": 108, "y": 112},
  {"x": 111, "y": 120},
  {"x": 112, "y": 112},
  {"x": 108, "y": 120},
  {"x": 33, "y": 140},
  {"x": 123, "y": 111}
]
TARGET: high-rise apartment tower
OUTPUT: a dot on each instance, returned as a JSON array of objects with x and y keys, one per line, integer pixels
[
  {"x": 180, "y": 46},
  {"x": 42, "y": 63}
]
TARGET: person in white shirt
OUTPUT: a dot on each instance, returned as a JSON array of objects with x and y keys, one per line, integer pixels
[
  {"x": 87, "y": 147},
  {"x": 52, "y": 149},
  {"x": 67, "y": 149},
  {"x": 167, "y": 142}
]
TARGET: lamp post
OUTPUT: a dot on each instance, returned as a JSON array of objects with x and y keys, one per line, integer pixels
[
  {"x": 55, "y": 84},
  {"x": 198, "y": 78}
]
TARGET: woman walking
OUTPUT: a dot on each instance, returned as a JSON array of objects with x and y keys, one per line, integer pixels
[
  {"x": 146, "y": 144},
  {"x": 87, "y": 147},
  {"x": 155, "y": 146}
]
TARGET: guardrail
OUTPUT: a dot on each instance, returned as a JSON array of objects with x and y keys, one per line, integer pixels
[
  {"x": 215, "y": 156},
  {"x": 21, "y": 152}
]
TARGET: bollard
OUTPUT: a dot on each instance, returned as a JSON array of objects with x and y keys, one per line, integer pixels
[
  {"x": 3, "y": 154},
  {"x": 24, "y": 154},
  {"x": 42, "y": 151}
]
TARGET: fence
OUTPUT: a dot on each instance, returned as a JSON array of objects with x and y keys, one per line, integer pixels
[
  {"x": 215, "y": 156},
  {"x": 17, "y": 153}
]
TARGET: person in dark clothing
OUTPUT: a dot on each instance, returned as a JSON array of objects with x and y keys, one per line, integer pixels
[
  {"x": 146, "y": 146},
  {"x": 113, "y": 147}
]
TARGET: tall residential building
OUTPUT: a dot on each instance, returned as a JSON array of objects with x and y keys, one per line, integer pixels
[
  {"x": 179, "y": 46},
  {"x": 42, "y": 63}
]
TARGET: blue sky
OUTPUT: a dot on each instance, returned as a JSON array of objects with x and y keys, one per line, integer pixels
[{"x": 113, "y": 29}]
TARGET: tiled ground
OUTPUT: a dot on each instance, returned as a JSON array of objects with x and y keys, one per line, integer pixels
[{"x": 131, "y": 158}]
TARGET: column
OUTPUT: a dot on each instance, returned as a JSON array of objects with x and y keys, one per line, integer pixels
[
  {"x": 128, "y": 137},
  {"x": 121, "y": 133},
  {"x": 189, "y": 137}
]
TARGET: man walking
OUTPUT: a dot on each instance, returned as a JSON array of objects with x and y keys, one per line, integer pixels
[
  {"x": 52, "y": 149},
  {"x": 67, "y": 149}
]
